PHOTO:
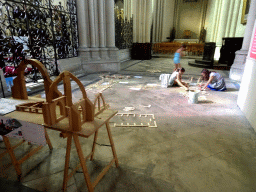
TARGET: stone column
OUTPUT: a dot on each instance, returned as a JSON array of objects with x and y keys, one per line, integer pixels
[
  {"x": 158, "y": 20},
  {"x": 237, "y": 69},
  {"x": 235, "y": 18},
  {"x": 215, "y": 20},
  {"x": 110, "y": 31},
  {"x": 97, "y": 51},
  {"x": 93, "y": 48},
  {"x": 222, "y": 25},
  {"x": 154, "y": 21},
  {"x": 229, "y": 19},
  {"x": 149, "y": 22},
  {"x": 82, "y": 30},
  {"x": 92, "y": 27},
  {"x": 110, "y": 25},
  {"x": 102, "y": 38},
  {"x": 135, "y": 21},
  {"x": 139, "y": 12},
  {"x": 82, "y": 9},
  {"x": 144, "y": 20}
]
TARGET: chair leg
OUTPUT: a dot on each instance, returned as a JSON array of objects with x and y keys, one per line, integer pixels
[
  {"x": 112, "y": 143},
  {"x": 48, "y": 140},
  {"x": 13, "y": 158},
  {"x": 65, "y": 180},
  {"x": 94, "y": 144},
  {"x": 83, "y": 163}
]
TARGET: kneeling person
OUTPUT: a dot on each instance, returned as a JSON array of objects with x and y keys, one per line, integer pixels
[
  {"x": 214, "y": 81},
  {"x": 175, "y": 79}
]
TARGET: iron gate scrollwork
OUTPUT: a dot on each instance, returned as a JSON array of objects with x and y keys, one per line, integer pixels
[
  {"x": 37, "y": 29},
  {"x": 123, "y": 30}
]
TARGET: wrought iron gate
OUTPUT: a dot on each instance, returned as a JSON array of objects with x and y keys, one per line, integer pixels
[
  {"x": 37, "y": 29},
  {"x": 123, "y": 30}
]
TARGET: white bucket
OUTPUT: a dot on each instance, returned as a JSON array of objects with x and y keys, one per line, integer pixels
[
  {"x": 164, "y": 80},
  {"x": 193, "y": 96}
]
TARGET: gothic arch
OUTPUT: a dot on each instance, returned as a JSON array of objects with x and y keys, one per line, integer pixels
[{"x": 19, "y": 90}]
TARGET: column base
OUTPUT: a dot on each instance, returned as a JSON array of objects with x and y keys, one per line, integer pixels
[
  {"x": 100, "y": 59},
  {"x": 237, "y": 68},
  {"x": 95, "y": 54},
  {"x": 104, "y": 53},
  {"x": 72, "y": 65},
  {"x": 84, "y": 52},
  {"x": 124, "y": 55},
  {"x": 109, "y": 66}
]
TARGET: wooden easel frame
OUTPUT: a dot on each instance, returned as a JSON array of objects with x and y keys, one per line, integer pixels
[
  {"x": 90, "y": 185},
  {"x": 19, "y": 91},
  {"x": 16, "y": 163},
  {"x": 78, "y": 117}
]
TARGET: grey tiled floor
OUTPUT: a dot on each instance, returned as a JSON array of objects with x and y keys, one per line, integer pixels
[{"x": 209, "y": 146}]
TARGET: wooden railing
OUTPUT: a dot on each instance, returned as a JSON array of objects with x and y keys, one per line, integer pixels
[{"x": 171, "y": 47}]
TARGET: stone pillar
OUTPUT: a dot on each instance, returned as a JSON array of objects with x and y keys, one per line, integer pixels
[
  {"x": 92, "y": 27},
  {"x": 237, "y": 69},
  {"x": 97, "y": 51},
  {"x": 230, "y": 16},
  {"x": 158, "y": 20},
  {"x": 93, "y": 47},
  {"x": 222, "y": 26},
  {"x": 235, "y": 18},
  {"x": 144, "y": 20},
  {"x": 82, "y": 9},
  {"x": 102, "y": 37},
  {"x": 246, "y": 96},
  {"x": 154, "y": 22},
  {"x": 110, "y": 31},
  {"x": 149, "y": 22},
  {"x": 215, "y": 21},
  {"x": 135, "y": 22},
  {"x": 110, "y": 25},
  {"x": 139, "y": 12}
]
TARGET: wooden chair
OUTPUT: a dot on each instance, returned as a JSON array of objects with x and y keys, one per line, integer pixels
[
  {"x": 187, "y": 34},
  {"x": 194, "y": 49},
  {"x": 200, "y": 49}
]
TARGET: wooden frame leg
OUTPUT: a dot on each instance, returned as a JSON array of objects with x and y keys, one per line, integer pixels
[
  {"x": 83, "y": 163},
  {"x": 2, "y": 154},
  {"x": 65, "y": 180},
  {"x": 13, "y": 158},
  {"x": 112, "y": 143},
  {"x": 48, "y": 139},
  {"x": 94, "y": 144}
]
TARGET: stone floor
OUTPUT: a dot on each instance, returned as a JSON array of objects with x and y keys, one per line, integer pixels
[{"x": 209, "y": 146}]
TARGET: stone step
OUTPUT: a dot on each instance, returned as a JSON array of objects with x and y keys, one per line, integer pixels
[
  {"x": 200, "y": 65},
  {"x": 221, "y": 67},
  {"x": 209, "y": 66},
  {"x": 203, "y": 61}
]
